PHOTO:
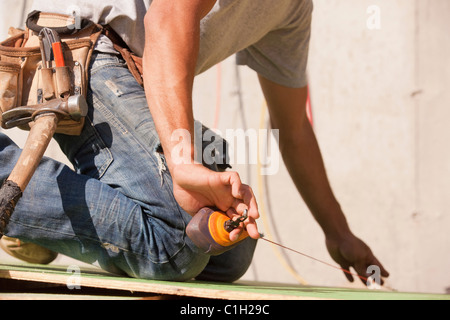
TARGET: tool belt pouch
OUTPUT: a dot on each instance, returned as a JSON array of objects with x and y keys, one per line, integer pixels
[{"x": 27, "y": 82}]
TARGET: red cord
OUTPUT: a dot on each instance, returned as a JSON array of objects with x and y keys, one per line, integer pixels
[{"x": 315, "y": 259}]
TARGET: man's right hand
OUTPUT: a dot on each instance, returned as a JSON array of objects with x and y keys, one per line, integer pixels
[{"x": 195, "y": 187}]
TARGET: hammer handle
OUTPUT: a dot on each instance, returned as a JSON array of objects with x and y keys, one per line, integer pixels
[{"x": 37, "y": 142}]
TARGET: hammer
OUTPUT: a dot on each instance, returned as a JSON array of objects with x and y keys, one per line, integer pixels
[{"x": 42, "y": 131}]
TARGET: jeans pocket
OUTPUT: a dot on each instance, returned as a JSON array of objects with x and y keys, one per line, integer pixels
[{"x": 93, "y": 157}]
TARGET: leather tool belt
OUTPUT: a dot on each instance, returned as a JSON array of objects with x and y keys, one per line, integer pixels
[{"x": 46, "y": 62}]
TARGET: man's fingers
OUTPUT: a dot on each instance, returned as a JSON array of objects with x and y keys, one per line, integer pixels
[
  {"x": 233, "y": 179},
  {"x": 234, "y": 235},
  {"x": 252, "y": 228},
  {"x": 250, "y": 200},
  {"x": 347, "y": 273},
  {"x": 249, "y": 203},
  {"x": 238, "y": 207},
  {"x": 244, "y": 199},
  {"x": 249, "y": 224},
  {"x": 384, "y": 272},
  {"x": 372, "y": 270}
]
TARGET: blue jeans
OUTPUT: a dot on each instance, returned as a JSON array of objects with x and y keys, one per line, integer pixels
[{"x": 117, "y": 208}]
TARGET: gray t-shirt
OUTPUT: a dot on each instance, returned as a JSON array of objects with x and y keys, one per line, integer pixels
[{"x": 269, "y": 36}]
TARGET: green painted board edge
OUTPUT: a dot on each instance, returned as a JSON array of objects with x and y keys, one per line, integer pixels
[{"x": 197, "y": 289}]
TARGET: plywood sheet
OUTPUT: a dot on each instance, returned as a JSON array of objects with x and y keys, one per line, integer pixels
[{"x": 96, "y": 278}]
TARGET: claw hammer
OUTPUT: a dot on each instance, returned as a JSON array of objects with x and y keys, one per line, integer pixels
[{"x": 38, "y": 139}]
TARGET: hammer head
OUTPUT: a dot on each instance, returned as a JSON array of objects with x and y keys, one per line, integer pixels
[{"x": 75, "y": 108}]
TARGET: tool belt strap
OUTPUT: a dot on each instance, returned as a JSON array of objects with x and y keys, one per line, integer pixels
[{"x": 133, "y": 61}]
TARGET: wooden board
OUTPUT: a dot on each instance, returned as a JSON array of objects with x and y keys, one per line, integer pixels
[{"x": 96, "y": 278}]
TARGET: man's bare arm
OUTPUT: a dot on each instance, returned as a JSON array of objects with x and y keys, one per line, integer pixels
[
  {"x": 303, "y": 159},
  {"x": 170, "y": 57},
  {"x": 172, "y": 44}
]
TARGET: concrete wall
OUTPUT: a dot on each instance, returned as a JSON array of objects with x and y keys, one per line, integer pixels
[
  {"x": 381, "y": 103},
  {"x": 378, "y": 74}
]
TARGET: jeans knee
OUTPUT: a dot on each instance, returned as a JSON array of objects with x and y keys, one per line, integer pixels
[
  {"x": 231, "y": 265},
  {"x": 184, "y": 266}
]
